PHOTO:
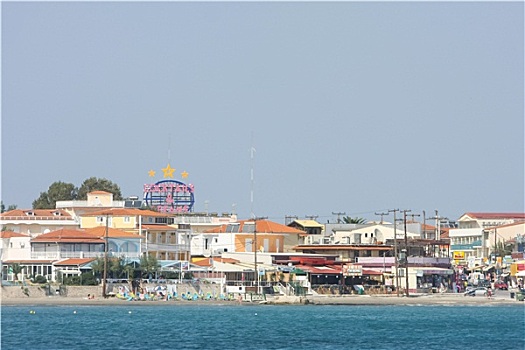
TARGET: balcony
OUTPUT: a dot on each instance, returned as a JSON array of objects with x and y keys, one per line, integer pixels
[{"x": 80, "y": 255}]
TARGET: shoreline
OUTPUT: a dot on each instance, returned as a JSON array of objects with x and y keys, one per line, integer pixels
[{"x": 431, "y": 299}]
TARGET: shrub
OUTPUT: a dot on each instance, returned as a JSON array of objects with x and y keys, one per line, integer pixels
[
  {"x": 39, "y": 279},
  {"x": 88, "y": 279}
]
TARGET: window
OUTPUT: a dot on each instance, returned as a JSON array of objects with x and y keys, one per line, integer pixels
[
  {"x": 366, "y": 235},
  {"x": 248, "y": 245},
  {"x": 126, "y": 219},
  {"x": 100, "y": 219}
]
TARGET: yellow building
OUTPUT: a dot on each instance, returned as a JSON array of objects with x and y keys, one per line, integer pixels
[{"x": 160, "y": 237}]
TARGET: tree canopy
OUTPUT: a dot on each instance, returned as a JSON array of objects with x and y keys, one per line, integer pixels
[
  {"x": 9, "y": 207},
  {"x": 96, "y": 184},
  {"x": 58, "y": 191},
  {"x": 62, "y": 191},
  {"x": 356, "y": 220}
]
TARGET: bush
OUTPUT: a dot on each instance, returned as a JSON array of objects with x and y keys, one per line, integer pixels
[
  {"x": 88, "y": 279},
  {"x": 39, "y": 279}
]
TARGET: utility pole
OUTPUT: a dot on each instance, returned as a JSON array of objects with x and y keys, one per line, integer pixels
[
  {"x": 105, "y": 275},
  {"x": 382, "y": 214},
  {"x": 255, "y": 252},
  {"x": 424, "y": 226},
  {"x": 406, "y": 250},
  {"x": 396, "y": 262},
  {"x": 438, "y": 228},
  {"x": 338, "y": 216},
  {"x": 288, "y": 218}
]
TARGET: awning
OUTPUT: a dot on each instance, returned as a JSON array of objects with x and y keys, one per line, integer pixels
[
  {"x": 69, "y": 272},
  {"x": 434, "y": 271}
]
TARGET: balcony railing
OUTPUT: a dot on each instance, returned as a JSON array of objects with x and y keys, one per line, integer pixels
[
  {"x": 37, "y": 218},
  {"x": 80, "y": 255}
]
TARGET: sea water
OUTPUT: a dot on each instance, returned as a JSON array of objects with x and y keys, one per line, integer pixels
[{"x": 183, "y": 326}]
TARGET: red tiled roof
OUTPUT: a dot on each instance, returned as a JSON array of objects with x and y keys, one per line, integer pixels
[
  {"x": 66, "y": 235},
  {"x": 126, "y": 212},
  {"x": 207, "y": 261},
  {"x": 262, "y": 226},
  {"x": 334, "y": 269},
  {"x": 73, "y": 261},
  {"x": 38, "y": 213},
  {"x": 11, "y": 234},
  {"x": 100, "y": 231},
  {"x": 158, "y": 228},
  {"x": 487, "y": 216},
  {"x": 320, "y": 247},
  {"x": 7, "y": 262}
]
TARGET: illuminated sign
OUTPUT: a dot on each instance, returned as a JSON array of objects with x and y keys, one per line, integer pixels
[
  {"x": 169, "y": 196},
  {"x": 459, "y": 255}
]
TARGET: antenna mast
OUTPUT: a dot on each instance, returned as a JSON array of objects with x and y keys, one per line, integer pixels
[{"x": 252, "y": 151}]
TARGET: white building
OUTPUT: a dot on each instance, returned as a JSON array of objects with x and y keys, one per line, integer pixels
[
  {"x": 35, "y": 222},
  {"x": 474, "y": 238}
]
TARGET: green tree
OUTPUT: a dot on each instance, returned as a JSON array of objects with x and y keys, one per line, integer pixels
[
  {"x": 97, "y": 266},
  {"x": 16, "y": 269},
  {"x": 148, "y": 264},
  {"x": 58, "y": 191},
  {"x": 502, "y": 248},
  {"x": 9, "y": 207},
  {"x": 356, "y": 220},
  {"x": 96, "y": 184}
]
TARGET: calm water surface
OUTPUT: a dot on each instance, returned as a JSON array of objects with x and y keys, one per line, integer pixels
[{"x": 263, "y": 327}]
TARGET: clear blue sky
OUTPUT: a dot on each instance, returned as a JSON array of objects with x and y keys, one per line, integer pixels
[{"x": 352, "y": 107}]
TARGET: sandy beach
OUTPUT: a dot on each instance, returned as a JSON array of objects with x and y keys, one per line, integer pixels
[{"x": 429, "y": 299}]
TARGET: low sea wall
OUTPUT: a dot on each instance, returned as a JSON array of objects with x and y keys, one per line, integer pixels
[{"x": 42, "y": 291}]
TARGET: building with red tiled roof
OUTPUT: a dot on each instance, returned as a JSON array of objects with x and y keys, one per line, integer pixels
[
  {"x": 160, "y": 237},
  {"x": 67, "y": 244},
  {"x": 473, "y": 242},
  {"x": 36, "y": 221},
  {"x": 120, "y": 243},
  {"x": 247, "y": 236},
  {"x": 14, "y": 245}
]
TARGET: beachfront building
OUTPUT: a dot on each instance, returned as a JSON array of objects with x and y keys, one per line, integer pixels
[
  {"x": 313, "y": 229},
  {"x": 34, "y": 222},
  {"x": 160, "y": 237},
  {"x": 251, "y": 235},
  {"x": 473, "y": 241},
  {"x": 14, "y": 246},
  {"x": 96, "y": 201},
  {"x": 48, "y": 248}
]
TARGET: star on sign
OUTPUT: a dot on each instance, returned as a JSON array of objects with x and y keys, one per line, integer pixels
[
  {"x": 184, "y": 174},
  {"x": 151, "y": 173},
  {"x": 168, "y": 171}
]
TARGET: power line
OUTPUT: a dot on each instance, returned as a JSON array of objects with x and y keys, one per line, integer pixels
[
  {"x": 382, "y": 214},
  {"x": 406, "y": 250},
  {"x": 396, "y": 261},
  {"x": 338, "y": 216}
]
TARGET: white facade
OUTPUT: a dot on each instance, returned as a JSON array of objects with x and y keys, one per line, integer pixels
[
  {"x": 15, "y": 248},
  {"x": 36, "y": 222},
  {"x": 372, "y": 234},
  {"x": 478, "y": 233}
]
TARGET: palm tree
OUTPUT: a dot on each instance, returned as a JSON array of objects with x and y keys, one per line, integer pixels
[
  {"x": 356, "y": 220},
  {"x": 16, "y": 269},
  {"x": 148, "y": 264}
]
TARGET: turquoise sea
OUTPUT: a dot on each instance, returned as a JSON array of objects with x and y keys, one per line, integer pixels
[{"x": 262, "y": 327}]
